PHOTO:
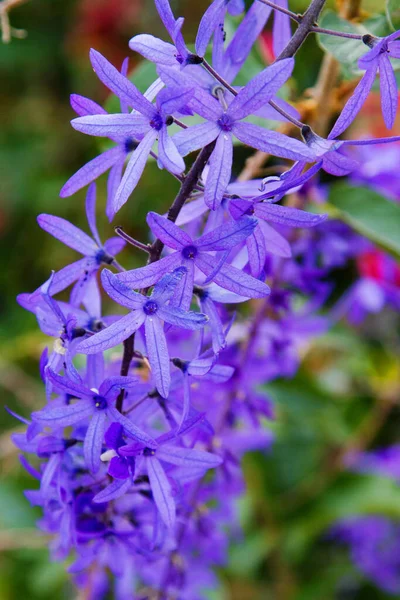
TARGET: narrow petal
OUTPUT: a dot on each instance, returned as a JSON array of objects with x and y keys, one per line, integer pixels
[
  {"x": 220, "y": 171},
  {"x": 64, "y": 384},
  {"x": 165, "y": 288},
  {"x": 63, "y": 416},
  {"x": 186, "y": 401},
  {"x": 157, "y": 350},
  {"x": 181, "y": 318},
  {"x": 120, "y": 85},
  {"x": 169, "y": 233},
  {"x": 388, "y": 87},
  {"x": 183, "y": 293},
  {"x": 243, "y": 40},
  {"x": 112, "y": 126},
  {"x": 257, "y": 252},
  {"x": 116, "y": 489},
  {"x": 202, "y": 103},
  {"x": 162, "y": 492},
  {"x": 261, "y": 89},
  {"x": 168, "y": 154},
  {"x": 84, "y": 106},
  {"x": 217, "y": 330},
  {"x": 154, "y": 49},
  {"x": 338, "y": 164},
  {"x": 211, "y": 19},
  {"x": 274, "y": 241},
  {"x": 134, "y": 170},
  {"x": 130, "y": 428},
  {"x": 186, "y": 457},
  {"x": 68, "y": 234},
  {"x": 281, "y": 33},
  {"x": 355, "y": 102},
  {"x": 233, "y": 279},
  {"x": 195, "y": 137},
  {"x": 228, "y": 235},
  {"x": 120, "y": 292},
  {"x": 91, "y": 171},
  {"x": 150, "y": 274},
  {"x": 111, "y": 385},
  {"x": 94, "y": 441},
  {"x": 91, "y": 212},
  {"x": 113, "y": 182},
  {"x": 285, "y": 215},
  {"x": 173, "y": 99},
  {"x": 112, "y": 335},
  {"x": 191, "y": 211},
  {"x": 273, "y": 142},
  {"x": 62, "y": 279}
]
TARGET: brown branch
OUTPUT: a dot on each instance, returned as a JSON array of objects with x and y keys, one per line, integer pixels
[{"x": 7, "y": 32}]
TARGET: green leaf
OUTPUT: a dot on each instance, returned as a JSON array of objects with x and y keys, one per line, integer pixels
[
  {"x": 368, "y": 213},
  {"x": 346, "y": 51},
  {"x": 393, "y": 13}
]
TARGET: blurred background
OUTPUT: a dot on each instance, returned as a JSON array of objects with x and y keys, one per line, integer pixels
[{"x": 343, "y": 397}]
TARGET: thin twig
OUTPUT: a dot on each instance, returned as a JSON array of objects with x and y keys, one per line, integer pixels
[
  {"x": 295, "y": 17},
  {"x": 122, "y": 234},
  {"x": 7, "y": 32},
  {"x": 308, "y": 20}
]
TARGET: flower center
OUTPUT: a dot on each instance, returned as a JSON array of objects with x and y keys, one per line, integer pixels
[
  {"x": 148, "y": 452},
  {"x": 100, "y": 402},
  {"x": 157, "y": 122},
  {"x": 225, "y": 122},
  {"x": 130, "y": 145},
  {"x": 189, "y": 252},
  {"x": 150, "y": 308},
  {"x": 103, "y": 257}
]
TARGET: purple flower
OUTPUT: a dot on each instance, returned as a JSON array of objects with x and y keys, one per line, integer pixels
[
  {"x": 267, "y": 212},
  {"x": 377, "y": 59},
  {"x": 99, "y": 405},
  {"x": 96, "y": 254},
  {"x": 151, "y": 311},
  {"x": 222, "y": 122},
  {"x": 146, "y": 124},
  {"x": 196, "y": 253},
  {"x": 195, "y": 462}
]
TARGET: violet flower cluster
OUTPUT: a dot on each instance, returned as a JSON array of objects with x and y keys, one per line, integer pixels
[{"x": 137, "y": 450}]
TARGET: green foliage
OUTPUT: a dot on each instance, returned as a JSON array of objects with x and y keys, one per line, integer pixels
[
  {"x": 393, "y": 13},
  {"x": 369, "y": 213}
]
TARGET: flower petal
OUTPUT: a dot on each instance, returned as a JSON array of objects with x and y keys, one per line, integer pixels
[
  {"x": 195, "y": 137},
  {"x": 388, "y": 87},
  {"x": 120, "y": 85},
  {"x": 182, "y": 318},
  {"x": 150, "y": 274},
  {"x": 94, "y": 440},
  {"x": 228, "y": 235},
  {"x": 154, "y": 49},
  {"x": 355, "y": 102},
  {"x": 68, "y": 234},
  {"x": 134, "y": 170},
  {"x": 261, "y": 89},
  {"x": 220, "y": 171},
  {"x": 157, "y": 350},
  {"x": 112, "y": 335},
  {"x": 162, "y": 492},
  {"x": 112, "y": 126},
  {"x": 169, "y": 233},
  {"x": 286, "y": 215},
  {"x": 63, "y": 416},
  {"x": 120, "y": 292},
  {"x": 116, "y": 489},
  {"x": 273, "y": 142},
  {"x": 91, "y": 171}
]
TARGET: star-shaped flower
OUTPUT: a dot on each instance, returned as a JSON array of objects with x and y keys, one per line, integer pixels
[
  {"x": 377, "y": 59},
  {"x": 152, "y": 311},
  {"x": 147, "y": 124},
  {"x": 97, "y": 405},
  {"x": 196, "y": 253},
  {"x": 222, "y": 123}
]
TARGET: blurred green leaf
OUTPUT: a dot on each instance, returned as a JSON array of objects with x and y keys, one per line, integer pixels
[
  {"x": 346, "y": 51},
  {"x": 369, "y": 213},
  {"x": 393, "y": 13}
]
